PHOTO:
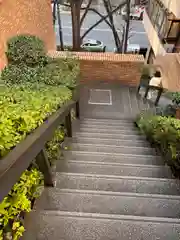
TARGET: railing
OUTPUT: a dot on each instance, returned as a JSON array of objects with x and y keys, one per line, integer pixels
[
  {"x": 32, "y": 148},
  {"x": 148, "y": 88}
]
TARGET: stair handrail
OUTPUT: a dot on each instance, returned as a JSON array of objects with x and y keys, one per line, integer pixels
[{"x": 32, "y": 147}]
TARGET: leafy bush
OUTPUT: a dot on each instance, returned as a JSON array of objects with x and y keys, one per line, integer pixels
[
  {"x": 165, "y": 133},
  {"x": 176, "y": 98},
  {"x": 53, "y": 146},
  {"x": 61, "y": 71},
  {"x": 24, "y": 108},
  {"x": 57, "y": 72},
  {"x": 35, "y": 87},
  {"x": 18, "y": 74},
  {"x": 18, "y": 200},
  {"x": 26, "y": 49}
]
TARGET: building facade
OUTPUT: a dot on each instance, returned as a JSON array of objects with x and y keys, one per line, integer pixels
[
  {"x": 25, "y": 17},
  {"x": 162, "y": 24}
]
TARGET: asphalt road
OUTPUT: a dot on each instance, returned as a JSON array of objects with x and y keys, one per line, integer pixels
[{"x": 102, "y": 32}]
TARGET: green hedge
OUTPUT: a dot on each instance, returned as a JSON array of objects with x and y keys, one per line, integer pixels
[
  {"x": 18, "y": 202},
  {"x": 26, "y": 49},
  {"x": 163, "y": 132},
  {"x": 33, "y": 86},
  {"x": 23, "y": 109},
  {"x": 29, "y": 63}
]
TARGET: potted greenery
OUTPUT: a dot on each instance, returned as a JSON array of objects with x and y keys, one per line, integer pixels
[{"x": 176, "y": 102}]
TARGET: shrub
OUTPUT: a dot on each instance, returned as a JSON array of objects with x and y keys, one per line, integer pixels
[
  {"x": 28, "y": 97},
  {"x": 24, "y": 108},
  {"x": 176, "y": 98},
  {"x": 26, "y": 49},
  {"x": 165, "y": 133},
  {"x": 15, "y": 74},
  {"x": 28, "y": 63},
  {"x": 56, "y": 72},
  {"x": 18, "y": 200},
  {"x": 53, "y": 147},
  {"x": 61, "y": 71}
]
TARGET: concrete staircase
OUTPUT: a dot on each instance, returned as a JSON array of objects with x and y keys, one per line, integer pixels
[{"x": 111, "y": 185}]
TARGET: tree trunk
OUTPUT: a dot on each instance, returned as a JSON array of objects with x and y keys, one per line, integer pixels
[
  {"x": 75, "y": 14},
  {"x": 60, "y": 28},
  {"x": 126, "y": 35}
]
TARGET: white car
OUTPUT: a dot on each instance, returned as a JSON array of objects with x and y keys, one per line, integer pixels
[
  {"x": 135, "y": 12},
  {"x": 92, "y": 45}
]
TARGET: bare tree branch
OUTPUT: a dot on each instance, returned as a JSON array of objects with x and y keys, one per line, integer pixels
[
  {"x": 90, "y": 10},
  {"x": 85, "y": 13},
  {"x": 66, "y": 5},
  {"x": 99, "y": 14},
  {"x": 103, "y": 18},
  {"x": 130, "y": 36},
  {"x": 117, "y": 41}
]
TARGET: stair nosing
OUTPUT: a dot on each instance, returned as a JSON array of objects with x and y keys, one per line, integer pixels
[
  {"x": 118, "y": 154},
  {"x": 109, "y": 134},
  {"x": 117, "y": 164},
  {"x": 92, "y": 118},
  {"x": 106, "y": 119},
  {"x": 114, "y": 130},
  {"x": 110, "y": 216},
  {"x": 118, "y": 177},
  {"x": 91, "y": 125},
  {"x": 108, "y": 139},
  {"x": 110, "y": 193},
  {"x": 113, "y": 146}
]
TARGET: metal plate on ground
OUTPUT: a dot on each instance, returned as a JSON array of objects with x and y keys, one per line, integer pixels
[{"x": 100, "y": 97}]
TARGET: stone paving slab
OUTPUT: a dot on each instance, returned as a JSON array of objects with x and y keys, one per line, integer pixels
[{"x": 124, "y": 102}]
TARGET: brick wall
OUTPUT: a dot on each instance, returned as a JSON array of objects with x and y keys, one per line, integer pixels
[
  {"x": 108, "y": 67},
  {"x": 25, "y": 16}
]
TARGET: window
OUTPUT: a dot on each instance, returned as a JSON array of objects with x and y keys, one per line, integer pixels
[
  {"x": 165, "y": 26},
  {"x": 151, "y": 7},
  {"x": 155, "y": 12},
  {"x": 159, "y": 21},
  {"x": 86, "y": 44},
  {"x": 93, "y": 44},
  {"x": 174, "y": 30},
  {"x": 160, "y": 17},
  {"x": 98, "y": 42}
]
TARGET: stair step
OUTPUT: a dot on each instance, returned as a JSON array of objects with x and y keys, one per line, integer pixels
[
  {"x": 110, "y": 131},
  {"x": 110, "y": 141},
  {"x": 58, "y": 225},
  {"x": 115, "y": 158},
  {"x": 124, "y": 136},
  {"x": 111, "y": 148},
  {"x": 109, "y": 127},
  {"x": 118, "y": 183},
  {"x": 106, "y": 121},
  {"x": 114, "y": 169},
  {"x": 110, "y": 203}
]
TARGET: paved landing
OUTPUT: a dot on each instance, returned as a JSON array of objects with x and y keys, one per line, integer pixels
[{"x": 110, "y": 101}]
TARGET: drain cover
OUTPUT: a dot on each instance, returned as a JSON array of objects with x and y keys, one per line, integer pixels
[{"x": 100, "y": 97}]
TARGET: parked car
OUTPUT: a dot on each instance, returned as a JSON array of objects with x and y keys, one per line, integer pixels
[
  {"x": 136, "y": 12},
  {"x": 93, "y": 46}
]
